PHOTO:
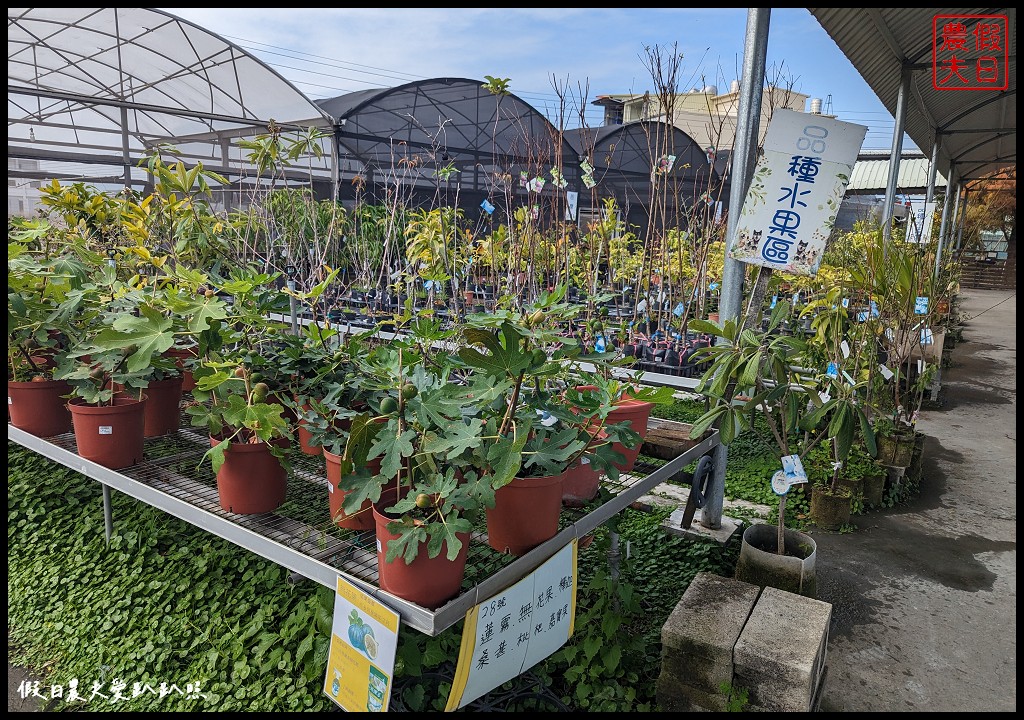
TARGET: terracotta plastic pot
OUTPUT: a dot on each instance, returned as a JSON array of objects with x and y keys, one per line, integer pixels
[
  {"x": 110, "y": 435},
  {"x": 637, "y": 413},
  {"x": 525, "y": 514},
  {"x": 39, "y": 408},
  {"x": 426, "y": 581},
  {"x": 305, "y": 436},
  {"x": 163, "y": 406},
  {"x": 181, "y": 355},
  {"x": 581, "y": 483},
  {"x": 251, "y": 480},
  {"x": 363, "y": 518}
]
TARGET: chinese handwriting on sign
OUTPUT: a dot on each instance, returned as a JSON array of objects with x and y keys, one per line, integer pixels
[
  {"x": 110, "y": 693},
  {"x": 970, "y": 52}
]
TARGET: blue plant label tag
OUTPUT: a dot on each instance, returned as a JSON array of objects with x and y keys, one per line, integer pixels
[
  {"x": 679, "y": 309},
  {"x": 874, "y": 309},
  {"x": 713, "y": 286},
  {"x": 796, "y": 298},
  {"x": 862, "y": 317},
  {"x": 846, "y": 302},
  {"x": 926, "y": 337},
  {"x": 921, "y": 305},
  {"x": 487, "y": 206},
  {"x": 832, "y": 371},
  {"x": 775, "y": 301},
  {"x": 599, "y": 344}
]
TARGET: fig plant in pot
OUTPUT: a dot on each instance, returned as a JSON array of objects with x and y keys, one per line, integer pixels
[
  {"x": 250, "y": 435},
  {"x": 38, "y": 286},
  {"x": 423, "y": 426},
  {"x": 530, "y": 422}
]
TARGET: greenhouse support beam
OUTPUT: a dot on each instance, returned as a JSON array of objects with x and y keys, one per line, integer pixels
[{"x": 748, "y": 122}]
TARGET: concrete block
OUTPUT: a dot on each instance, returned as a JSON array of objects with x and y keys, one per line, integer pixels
[
  {"x": 674, "y": 696},
  {"x": 708, "y": 619},
  {"x": 780, "y": 654},
  {"x": 700, "y": 672},
  {"x": 698, "y": 639}
]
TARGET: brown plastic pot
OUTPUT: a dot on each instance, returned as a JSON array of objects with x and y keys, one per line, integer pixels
[
  {"x": 361, "y": 519},
  {"x": 251, "y": 480},
  {"x": 39, "y": 408},
  {"x": 637, "y": 413},
  {"x": 163, "y": 405},
  {"x": 428, "y": 582},
  {"x": 581, "y": 483},
  {"x": 181, "y": 354},
  {"x": 305, "y": 436},
  {"x": 525, "y": 514},
  {"x": 110, "y": 435}
]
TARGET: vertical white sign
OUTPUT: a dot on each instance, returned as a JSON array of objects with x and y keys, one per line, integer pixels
[
  {"x": 794, "y": 196},
  {"x": 923, "y": 223},
  {"x": 572, "y": 199},
  {"x": 514, "y": 630}
]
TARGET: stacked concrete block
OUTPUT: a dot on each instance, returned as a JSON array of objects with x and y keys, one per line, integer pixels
[
  {"x": 780, "y": 655},
  {"x": 698, "y": 640}
]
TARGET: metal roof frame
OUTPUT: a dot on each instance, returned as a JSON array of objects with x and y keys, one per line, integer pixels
[{"x": 884, "y": 44}]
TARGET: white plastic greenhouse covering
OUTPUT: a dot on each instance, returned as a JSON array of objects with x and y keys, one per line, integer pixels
[{"x": 90, "y": 91}]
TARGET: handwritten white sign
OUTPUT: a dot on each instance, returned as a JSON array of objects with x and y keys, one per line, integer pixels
[{"x": 514, "y": 630}]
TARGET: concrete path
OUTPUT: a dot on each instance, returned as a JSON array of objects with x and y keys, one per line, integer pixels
[{"x": 925, "y": 595}]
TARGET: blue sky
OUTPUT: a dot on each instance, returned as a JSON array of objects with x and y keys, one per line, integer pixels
[{"x": 327, "y": 52}]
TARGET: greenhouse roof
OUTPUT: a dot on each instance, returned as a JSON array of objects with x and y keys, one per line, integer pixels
[
  {"x": 101, "y": 86},
  {"x": 443, "y": 120}
]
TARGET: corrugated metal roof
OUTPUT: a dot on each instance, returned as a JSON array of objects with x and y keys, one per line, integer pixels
[
  {"x": 869, "y": 177},
  {"x": 977, "y": 130}
]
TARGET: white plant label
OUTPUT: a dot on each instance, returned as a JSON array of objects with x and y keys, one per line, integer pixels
[
  {"x": 106, "y": 430},
  {"x": 9, "y": 401},
  {"x": 886, "y": 372},
  {"x": 378, "y": 545},
  {"x": 792, "y": 473},
  {"x": 330, "y": 486},
  {"x": 845, "y": 347}
]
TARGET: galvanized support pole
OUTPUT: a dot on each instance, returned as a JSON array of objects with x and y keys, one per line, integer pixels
[
  {"x": 895, "y": 155},
  {"x": 952, "y": 186},
  {"x": 108, "y": 513},
  {"x": 933, "y": 171},
  {"x": 956, "y": 218},
  {"x": 225, "y": 160},
  {"x": 748, "y": 123},
  {"x": 292, "y": 302},
  {"x": 963, "y": 221},
  {"x": 125, "y": 155}
]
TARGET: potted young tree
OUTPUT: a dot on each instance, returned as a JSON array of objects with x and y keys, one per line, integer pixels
[{"x": 753, "y": 384}]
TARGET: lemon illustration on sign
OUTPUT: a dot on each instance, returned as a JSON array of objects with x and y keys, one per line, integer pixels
[{"x": 371, "y": 646}]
